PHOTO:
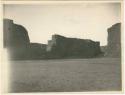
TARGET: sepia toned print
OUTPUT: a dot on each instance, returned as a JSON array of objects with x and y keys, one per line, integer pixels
[{"x": 63, "y": 47}]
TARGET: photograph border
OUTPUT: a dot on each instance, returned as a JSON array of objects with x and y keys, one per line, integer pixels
[{"x": 3, "y": 59}]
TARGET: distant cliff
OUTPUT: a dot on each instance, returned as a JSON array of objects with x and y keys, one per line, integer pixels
[
  {"x": 37, "y": 51},
  {"x": 114, "y": 41},
  {"x": 62, "y": 47},
  {"x": 14, "y": 34},
  {"x": 16, "y": 39}
]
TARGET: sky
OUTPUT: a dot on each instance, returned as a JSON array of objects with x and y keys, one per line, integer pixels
[{"x": 77, "y": 20}]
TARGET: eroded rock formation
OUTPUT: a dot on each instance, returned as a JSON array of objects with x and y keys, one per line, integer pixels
[
  {"x": 16, "y": 39},
  {"x": 114, "y": 41},
  {"x": 37, "y": 51},
  {"x": 61, "y": 47}
]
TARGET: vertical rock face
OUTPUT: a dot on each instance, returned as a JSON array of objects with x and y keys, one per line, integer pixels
[
  {"x": 63, "y": 47},
  {"x": 16, "y": 39},
  {"x": 37, "y": 51},
  {"x": 8, "y": 28},
  {"x": 15, "y": 35},
  {"x": 114, "y": 41}
]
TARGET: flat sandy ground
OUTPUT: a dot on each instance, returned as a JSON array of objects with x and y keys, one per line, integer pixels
[{"x": 64, "y": 75}]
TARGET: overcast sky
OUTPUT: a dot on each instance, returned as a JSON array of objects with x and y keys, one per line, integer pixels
[{"x": 80, "y": 20}]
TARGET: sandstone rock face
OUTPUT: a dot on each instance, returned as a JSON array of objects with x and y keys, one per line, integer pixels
[
  {"x": 15, "y": 35},
  {"x": 16, "y": 39},
  {"x": 104, "y": 48},
  {"x": 114, "y": 41},
  {"x": 37, "y": 51},
  {"x": 61, "y": 47}
]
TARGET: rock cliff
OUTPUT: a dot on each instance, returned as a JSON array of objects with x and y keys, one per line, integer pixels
[
  {"x": 37, "y": 51},
  {"x": 62, "y": 47},
  {"x": 114, "y": 41},
  {"x": 16, "y": 39}
]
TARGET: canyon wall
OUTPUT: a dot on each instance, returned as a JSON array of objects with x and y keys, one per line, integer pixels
[
  {"x": 62, "y": 47},
  {"x": 16, "y": 40},
  {"x": 114, "y": 41}
]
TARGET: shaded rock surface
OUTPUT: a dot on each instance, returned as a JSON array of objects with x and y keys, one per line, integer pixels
[
  {"x": 37, "y": 51},
  {"x": 114, "y": 41},
  {"x": 16, "y": 39},
  {"x": 62, "y": 47},
  {"x": 15, "y": 35},
  {"x": 103, "y": 48}
]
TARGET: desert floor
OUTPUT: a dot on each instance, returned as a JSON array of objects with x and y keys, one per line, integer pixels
[{"x": 65, "y": 75}]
